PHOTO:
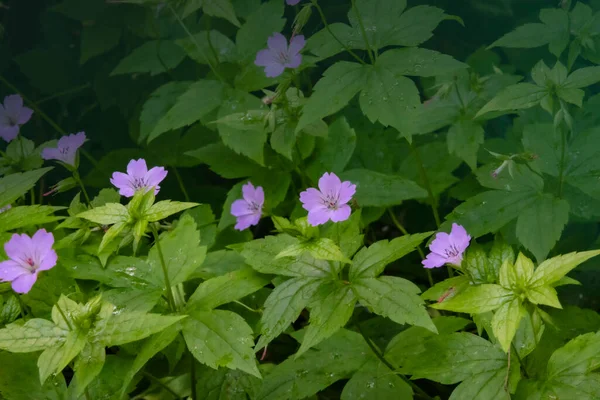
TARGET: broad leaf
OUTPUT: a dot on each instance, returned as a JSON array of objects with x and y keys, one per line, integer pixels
[
  {"x": 464, "y": 139},
  {"x": 108, "y": 214},
  {"x": 153, "y": 57},
  {"x": 15, "y": 185},
  {"x": 375, "y": 381},
  {"x": 553, "y": 269},
  {"x": 35, "y": 335},
  {"x": 515, "y": 97},
  {"x": 506, "y": 321},
  {"x": 381, "y": 190},
  {"x": 166, "y": 208},
  {"x": 128, "y": 327},
  {"x": 477, "y": 299},
  {"x": 20, "y": 217}
]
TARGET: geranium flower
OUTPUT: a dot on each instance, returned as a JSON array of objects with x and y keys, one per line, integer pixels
[
  {"x": 292, "y": 2},
  {"x": 447, "y": 248},
  {"x": 12, "y": 116},
  {"x": 330, "y": 201},
  {"x": 249, "y": 209},
  {"x": 138, "y": 177},
  {"x": 28, "y": 256},
  {"x": 279, "y": 56},
  {"x": 66, "y": 149}
]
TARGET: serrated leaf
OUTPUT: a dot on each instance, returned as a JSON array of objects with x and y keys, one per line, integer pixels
[
  {"x": 477, "y": 299},
  {"x": 157, "y": 105},
  {"x": 395, "y": 298},
  {"x": 374, "y": 381},
  {"x": 35, "y": 335},
  {"x": 87, "y": 367},
  {"x": 416, "y": 25},
  {"x": 545, "y": 295},
  {"x": 23, "y": 216},
  {"x": 153, "y": 57},
  {"x": 555, "y": 268},
  {"x": 506, "y": 321},
  {"x": 516, "y": 275},
  {"x": 222, "y": 9},
  {"x": 111, "y": 213},
  {"x": 284, "y": 305},
  {"x": 464, "y": 138},
  {"x": 128, "y": 327},
  {"x": 15, "y": 185},
  {"x": 259, "y": 25},
  {"x": 166, "y": 208},
  {"x": 582, "y": 78},
  {"x": 220, "y": 338},
  {"x": 54, "y": 359},
  {"x": 227, "y": 288},
  {"x": 515, "y": 97},
  {"x": 414, "y": 61},
  {"x": 321, "y": 249}
]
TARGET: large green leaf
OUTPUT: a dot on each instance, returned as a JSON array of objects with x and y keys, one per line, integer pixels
[
  {"x": 334, "y": 151},
  {"x": 128, "y": 327},
  {"x": 553, "y": 269},
  {"x": 506, "y": 321},
  {"x": 198, "y": 47},
  {"x": 464, "y": 139},
  {"x": 158, "y": 104},
  {"x": 515, "y": 97},
  {"x": 110, "y": 213},
  {"x": 87, "y": 367},
  {"x": 166, "y": 208},
  {"x": 54, "y": 359},
  {"x": 15, "y": 185},
  {"x": 414, "y": 61},
  {"x": 20, "y": 217},
  {"x": 259, "y": 25},
  {"x": 220, "y": 338},
  {"x": 395, "y": 298},
  {"x": 375, "y": 381},
  {"x": 222, "y": 9},
  {"x": 153, "y": 57},
  {"x": 477, "y": 299},
  {"x": 13, "y": 367},
  {"x": 35, "y": 335}
]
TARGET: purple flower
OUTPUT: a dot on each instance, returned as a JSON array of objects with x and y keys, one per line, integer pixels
[
  {"x": 28, "y": 256},
  {"x": 12, "y": 116},
  {"x": 292, "y": 2},
  {"x": 249, "y": 209},
  {"x": 66, "y": 149},
  {"x": 330, "y": 203},
  {"x": 5, "y": 208},
  {"x": 279, "y": 56},
  {"x": 138, "y": 177},
  {"x": 447, "y": 248}
]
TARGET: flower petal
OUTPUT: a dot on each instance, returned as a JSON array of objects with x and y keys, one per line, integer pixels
[
  {"x": 123, "y": 182},
  {"x": 24, "y": 115},
  {"x": 246, "y": 221},
  {"x": 292, "y": 2},
  {"x": 42, "y": 242},
  {"x": 24, "y": 283},
  {"x": 441, "y": 243},
  {"x": 155, "y": 176},
  {"x": 311, "y": 198},
  {"x": 264, "y": 58},
  {"x": 341, "y": 214},
  {"x": 318, "y": 216},
  {"x": 347, "y": 190},
  {"x": 274, "y": 70},
  {"x": 9, "y": 270},
  {"x": 330, "y": 184},
  {"x": 459, "y": 237},
  {"x": 49, "y": 261},
  {"x": 248, "y": 192},
  {"x": 8, "y": 133},
  {"x": 51, "y": 153},
  {"x": 277, "y": 42},
  {"x": 19, "y": 248},
  {"x": 296, "y": 44},
  {"x": 137, "y": 168},
  {"x": 294, "y": 62},
  {"x": 13, "y": 105},
  {"x": 433, "y": 260},
  {"x": 240, "y": 208}
]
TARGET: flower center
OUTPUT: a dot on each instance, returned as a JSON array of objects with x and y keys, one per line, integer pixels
[
  {"x": 64, "y": 150},
  {"x": 139, "y": 183},
  {"x": 12, "y": 122},
  {"x": 451, "y": 251},
  {"x": 283, "y": 57},
  {"x": 31, "y": 263},
  {"x": 330, "y": 201},
  {"x": 254, "y": 207}
]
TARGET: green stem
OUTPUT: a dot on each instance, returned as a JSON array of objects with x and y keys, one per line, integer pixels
[
  {"x": 322, "y": 14},
  {"x": 86, "y": 392},
  {"x": 193, "y": 378},
  {"x": 420, "y": 392},
  {"x": 193, "y": 39},
  {"x": 181, "y": 185},
  {"x": 161, "y": 384},
  {"x": 82, "y": 186},
  {"x": 405, "y": 232},
  {"x": 65, "y": 92},
  {"x": 64, "y": 316},
  {"x": 170, "y": 297},
  {"x": 246, "y": 307},
  {"x": 32, "y": 195},
  {"x": 363, "y": 32},
  {"x": 423, "y": 173}
]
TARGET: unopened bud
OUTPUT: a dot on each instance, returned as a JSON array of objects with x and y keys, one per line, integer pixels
[
  {"x": 301, "y": 19},
  {"x": 62, "y": 186}
]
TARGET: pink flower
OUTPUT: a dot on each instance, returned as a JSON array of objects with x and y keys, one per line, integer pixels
[
  {"x": 28, "y": 256},
  {"x": 330, "y": 203},
  {"x": 138, "y": 177},
  {"x": 249, "y": 209},
  {"x": 447, "y": 248},
  {"x": 66, "y": 149},
  {"x": 279, "y": 56},
  {"x": 292, "y": 2},
  {"x": 12, "y": 116}
]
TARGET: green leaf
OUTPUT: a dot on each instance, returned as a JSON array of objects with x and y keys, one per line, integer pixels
[
  {"x": 220, "y": 338},
  {"x": 87, "y": 367},
  {"x": 222, "y": 9},
  {"x": 477, "y": 299},
  {"x": 414, "y": 61},
  {"x": 128, "y": 327},
  {"x": 553, "y": 269},
  {"x": 525, "y": 37},
  {"x": 23, "y": 216},
  {"x": 225, "y": 289},
  {"x": 540, "y": 225},
  {"x": 284, "y": 305},
  {"x": 381, "y": 15},
  {"x": 181, "y": 251},
  {"x": 165, "y": 208},
  {"x": 375, "y": 381},
  {"x": 321, "y": 249},
  {"x": 381, "y": 190},
  {"x": 545, "y": 295},
  {"x": 332, "y": 307},
  {"x": 153, "y": 57},
  {"x": 54, "y": 359},
  {"x": 395, "y": 298},
  {"x": 346, "y": 233},
  {"x": 582, "y": 78},
  {"x": 506, "y": 321},
  {"x": 515, "y": 97},
  {"x": 334, "y": 151},
  {"x": 15, "y": 185},
  {"x": 198, "y": 47},
  {"x": 370, "y": 261},
  {"x": 158, "y": 104},
  {"x": 225, "y": 161},
  {"x": 416, "y": 26},
  {"x": 464, "y": 138},
  {"x": 283, "y": 140},
  {"x": 108, "y": 214},
  {"x": 517, "y": 275},
  {"x": 97, "y": 39},
  {"x": 35, "y": 335},
  {"x": 259, "y": 25},
  {"x": 339, "y": 84},
  {"x": 13, "y": 367}
]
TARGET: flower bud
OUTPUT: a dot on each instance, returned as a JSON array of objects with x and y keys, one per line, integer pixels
[{"x": 302, "y": 18}]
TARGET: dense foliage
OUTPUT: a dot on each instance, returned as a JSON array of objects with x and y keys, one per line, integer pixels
[{"x": 290, "y": 199}]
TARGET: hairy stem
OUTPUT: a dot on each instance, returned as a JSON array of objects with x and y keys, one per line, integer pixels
[
  {"x": 324, "y": 19},
  {"x": 170, "y": 297},
  {"x": 363, "y": 32}
]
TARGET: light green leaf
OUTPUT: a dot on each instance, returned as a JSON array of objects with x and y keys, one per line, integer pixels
[
  {"x": 339, "y": 84},
  {"x": 375, "y": 381},
  {"x": 545, "y": 295},
  {"x": 540, "y": 225},
  {"x": 464, "y": 139},
  {"x": 284, "y": 305},
  {"x": 554, "y": 269},
  {"x": 152, "y": 57},
  {"x": 517, "y": 275},
  {"x": 346, "y": 233},
  {"x": 15, "y": 185},
  {"x": 97, "y": 39},
  {"x": 583, "y": 77},
  {"x": 87, "y": 367},
  {"x": 414, "y": 61},
  {"x": 35, "y": 335},
  {"x": 54, "y": 359},
  {"x": 334, "y": 151},
  {"x": 221, "y": 338},
  {"x": 506, "y": 320},
  {"x": 181, "y": 251},
  {"x": 128, "y": 327},
  {"x": 321, "y": 249},
  {"x": 108, "y": 214},
  {"x": 578, "y": 357},
  {"x": 370, "y": 261},
  {"x": 222, "y": 9},
  {"x": 23, "y": 216},
  {"x": 165, "y": 208},
  {"x": 381, "y": 190},
  {"x": 112, "y": 233},
  {"x": 259, "y": 25},
  {"x": 477, "y": 299},
  {"x": 515, "y": 97},
  {"x": 332, "y": 307},
  {"x": 225, "y": 289},
  {"x": 395, "y": 298},
  {"x": 198, "y": 101}
]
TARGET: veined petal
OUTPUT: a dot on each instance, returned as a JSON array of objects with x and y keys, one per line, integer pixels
[
  {"x": 296, "y": 44},
  {"x": 24, "y": 115},
  {"x": 137, "y": 169},
  {"x": 295, "y": 61},
  {"x": 8, "y": 133},
  {"x": 433, "y": 260},
  {"x": 274, "y": 70},
  {"x": 9, "y": 270},
  {"x": 341, "y": 214},
  {"x": 264, "y": 58},
  {"x": 311, "y": 198},
  {"x": 459, "y": 237},
  {"x": 277, "y": 42},
  {"x": 246, "y": 221},
  {"x": 441, "y": 243},
  {"x": 155, "y": 176},
  {"x": 19, "y": 248},
  {"x": 318, "y": 216},
  {"x": 330, "y": 184},
  {"x": 240, "y": 208},
  {"x": 24, "y": 283},
  {"x": 347, "y": 190},
  {"x": 42, "y": 243}
]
